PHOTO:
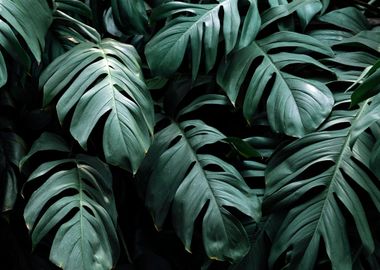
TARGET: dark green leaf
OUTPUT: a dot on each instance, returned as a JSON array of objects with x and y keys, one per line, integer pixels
[
  {"x": 46, "y": 142},
  {"x": 74, "y": 7},
  {"x": 205, "y": 100},
  {"x": 3, "y": 71},
  {"x": 242, "y": 147},
  {"x": 71, "y": 30},
  {"x": 371, "y": 114},
  {"x": 130, "y": 15},
  {"x": 16, "y": 18},
  {"x": 201, "y": 29},
  {"x": 87, "y": 240},
  {"x": 353, "y": 59},
  {"x": 368, "y": 88},
  {"x": 32, "y": 28},
  {"x": 295, "y": 105},
  {"x": 177, "y": 177},
  {"x": 349, "y": 18},
  {"x": 104, "y": 79},
  {"x": 330, "y": 36},
  {"x": 321, "y": 215},
  {"x": 375, "y": 158},
  {"x": 307, "y": 12},
  {"x": 364, "y": 39},
  {"x": 280, "y": 11}
]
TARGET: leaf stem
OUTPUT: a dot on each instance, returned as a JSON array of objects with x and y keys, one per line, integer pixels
[{"x": 124, "y": 244}]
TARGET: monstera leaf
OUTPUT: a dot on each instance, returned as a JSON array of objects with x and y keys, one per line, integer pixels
[
  {"x": 74, "y": 7},
  {"x": 17, "y": 19},
  {"x": 369, "y": 86},
  {"x": 349, "y": 18},
  {"x": 321, "y": 201},
  {"x": 305, "y": 9},
  {"x": 348, "y": 25},
  {"x": 176, "y": 176},
  {"x": 85, "y": 216},
  {"x": 201, "y": 29},
  {"x": 368, "y": 39},
  {"x": 99, "y": 80},
  {"x": 295, "y": 106},
  {"x": 68, "y": 23},
  {"x": 130, "y": 16}
]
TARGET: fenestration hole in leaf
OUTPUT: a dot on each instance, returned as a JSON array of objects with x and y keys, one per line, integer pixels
[
  {"x": 48, "y": 238},
  {"x": 174, "y": 141},
  {"x": 247, "y": 79},
  {"x": 219, "y": 149},
  {"x": 212, "y": 168},
  {"x": 188, "y": 128},
  {"x": 338, "y": 126},
  {"x": 324, "y": 262},
  {"x": 344, "y": 106},
  {"x": 65, "y": 193},
  {"x": 243, "y": 7},
  {"x": 89, "y": 210},
  {"x": 316, "y": 169},
  {"x": 43, "y": 156},
  {"x": 124, "y": 93},
  {"x": 221, "y": 17},
  {"x": 33, "y": 185},
  {"x": 236, "y": 213},
  {"x": 94, "y": 143},
  {"x": 161, "y": 124},
  {"x": 364, "y": 197},
  {"x": 197, "y": 243},
  {"x": 190, "y": 168},
  {"x": 268, "y": 206},
  {"x": 367, "y": 171}
]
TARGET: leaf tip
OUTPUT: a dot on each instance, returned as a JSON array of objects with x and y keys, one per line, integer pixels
[{"x": 157, "y": 227}]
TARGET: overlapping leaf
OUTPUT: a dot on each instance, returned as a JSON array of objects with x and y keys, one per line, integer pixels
[
  {"x": 99, "y": 80},
  {"x": 318, "y": 200},
  {"x": 74, "y": 7},
  {"x": 166, "y": 50},
  {"x": 78, "y": 192},
  {"x": 353, "y": 31},
  {"x": 365, "y": 53},
  {"x": 16, "y": 19},
  {"x": 350, "y": 19},
  {"x": 305, "y": 9},
  {"x": 69, "y": 27},
  {"x": 130, "y": 16},
  {"x": 12, "y": 149},
  {"x": 295, "y": 106},
  {"x": 177, "y": 177},
  {"x": 368, "y": 39}
]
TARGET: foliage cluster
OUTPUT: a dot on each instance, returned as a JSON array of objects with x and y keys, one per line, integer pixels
[{"x": 194, "y": 134}]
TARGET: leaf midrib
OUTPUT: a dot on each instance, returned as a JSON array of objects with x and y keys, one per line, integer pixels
[
  {"x": 199, "y": 19},
  {"x": 114, "y": 106},
  {"x": 110, "y": 82},
  {"x": 80, "y": 187},
  {"x": 337, "y": 167},
  {"x": 195, "y": 156},
  {"x": 278, "y": 73}
]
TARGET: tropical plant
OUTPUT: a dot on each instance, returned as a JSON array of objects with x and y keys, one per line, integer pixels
[{"x": 218, "y": 134}]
